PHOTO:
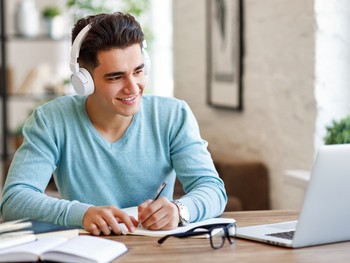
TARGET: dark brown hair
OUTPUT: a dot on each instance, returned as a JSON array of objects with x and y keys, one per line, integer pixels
[{"x": 107, "y": 31}]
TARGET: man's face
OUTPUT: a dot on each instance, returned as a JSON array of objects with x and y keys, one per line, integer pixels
[{"x": 119, "y": 80}]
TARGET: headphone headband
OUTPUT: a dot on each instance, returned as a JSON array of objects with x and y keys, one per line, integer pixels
[{"x": 74, "y": 54}]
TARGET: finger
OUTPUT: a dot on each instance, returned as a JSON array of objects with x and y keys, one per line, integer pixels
[
  {"x": 134, "y": 221},
  {"x": 166, "y": 217},
  {"x": 141, "y": 208},
  {"x": 164, "y": 220},
  {"x": 157, "y": 212},
  {"x": 114, "y": 225},
  {"x": 160, "y": 223},
  {"x": 124, "y": 218},
  {"x": 149, "y": 210},
  {"x": 93, "y": 229},
  {"x": 103, "y": 226},
  {"x": 117, "y": 229},
  {"x": 144, "y": 205}
]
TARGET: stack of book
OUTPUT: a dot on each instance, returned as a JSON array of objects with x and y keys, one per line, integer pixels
[
  {"x": 12, "y": 233},
  {"x": 22, "y": 231},
  {"x": 30, "y": 241}
]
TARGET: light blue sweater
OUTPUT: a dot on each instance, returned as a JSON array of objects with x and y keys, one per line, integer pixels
[{"x": 162, "y": 141}]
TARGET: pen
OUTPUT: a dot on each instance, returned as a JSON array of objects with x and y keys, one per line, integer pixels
[{"x": 158, "y": 193}]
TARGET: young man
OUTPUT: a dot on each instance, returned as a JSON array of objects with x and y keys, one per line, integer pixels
[{"x": 112, "y": 148}]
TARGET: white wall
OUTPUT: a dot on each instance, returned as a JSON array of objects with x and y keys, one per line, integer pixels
[{"x": 278, "y": 122}]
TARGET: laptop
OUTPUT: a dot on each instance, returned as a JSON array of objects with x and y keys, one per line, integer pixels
[{"x": 325, "y": 213}]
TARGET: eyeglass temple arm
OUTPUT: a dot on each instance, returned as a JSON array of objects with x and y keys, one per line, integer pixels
[
  {"x": 192, "y": 232},
  {"x": 182, "y": 235}
]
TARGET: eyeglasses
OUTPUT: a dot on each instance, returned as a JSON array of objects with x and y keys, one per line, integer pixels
[{"x": 217, "y": 234}]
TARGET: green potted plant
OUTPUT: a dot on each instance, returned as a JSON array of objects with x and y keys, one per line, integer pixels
[
  {"x": 138, "y": 8},
  {"x": 82, "y": 8},
  {"x": 50, "y": 12},
  {"x": 338, "y": 132},
  {"x": 54, "y": 22}
]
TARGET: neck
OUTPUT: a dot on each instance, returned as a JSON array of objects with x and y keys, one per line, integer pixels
[{"x": 110, "y": 126}]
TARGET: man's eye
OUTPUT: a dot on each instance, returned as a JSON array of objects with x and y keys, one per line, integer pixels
[
  {"x": 138, "y": 71},
  {"x": 113, "y": 78}
]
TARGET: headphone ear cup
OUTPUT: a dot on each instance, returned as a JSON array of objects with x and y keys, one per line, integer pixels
[
  {"x": 82, "y": 82},
  {"x": 146, "y": 61}
]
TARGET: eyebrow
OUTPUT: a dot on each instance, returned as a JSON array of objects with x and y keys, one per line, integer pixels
[{"x": 120, "y": 73}]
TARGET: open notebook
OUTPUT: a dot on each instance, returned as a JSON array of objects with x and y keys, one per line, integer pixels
[{"x": 140, "y": 231}]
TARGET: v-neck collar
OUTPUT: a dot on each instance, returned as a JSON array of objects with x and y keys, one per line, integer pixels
[{"x": 99, "y": 137}]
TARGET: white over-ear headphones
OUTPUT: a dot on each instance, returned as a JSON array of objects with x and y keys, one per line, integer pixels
[{"x": 81, "y": 79}]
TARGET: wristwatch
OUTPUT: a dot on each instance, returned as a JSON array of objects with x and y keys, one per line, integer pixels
[{"x": 184, "y": 214}]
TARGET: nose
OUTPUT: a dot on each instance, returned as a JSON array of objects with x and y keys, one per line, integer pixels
[{"x": 131, "y": 86}]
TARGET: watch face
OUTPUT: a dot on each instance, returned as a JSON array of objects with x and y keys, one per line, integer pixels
[{"x": 185, "y": 214}]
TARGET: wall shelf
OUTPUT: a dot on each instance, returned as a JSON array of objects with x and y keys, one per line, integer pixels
[
  {"x": 3, "y": 85},
  {"x": 35, "y": 39},
  {"x": 21, "y": 61}
]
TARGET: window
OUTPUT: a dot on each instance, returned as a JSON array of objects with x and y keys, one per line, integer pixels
[{"x": 332, "y": 64}]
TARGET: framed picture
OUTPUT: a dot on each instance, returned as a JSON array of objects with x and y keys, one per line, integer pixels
[{"x": 225, "y": 51}]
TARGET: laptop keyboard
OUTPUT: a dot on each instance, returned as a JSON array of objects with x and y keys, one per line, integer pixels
[{"x": 286, "y": 235}]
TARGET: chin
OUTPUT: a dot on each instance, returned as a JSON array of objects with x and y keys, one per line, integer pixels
[{"x": 134, "y": 109}]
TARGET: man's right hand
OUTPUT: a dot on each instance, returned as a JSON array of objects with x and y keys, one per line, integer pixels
[{"x": 106, "y": 219}]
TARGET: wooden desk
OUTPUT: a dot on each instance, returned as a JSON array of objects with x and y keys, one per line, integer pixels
[{"x": 146, "y": 249}]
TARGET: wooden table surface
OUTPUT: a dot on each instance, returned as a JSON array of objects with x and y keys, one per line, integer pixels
[{"x": 146, "y": 249}]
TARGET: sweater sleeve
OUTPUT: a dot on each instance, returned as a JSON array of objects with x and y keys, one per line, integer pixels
[
  {"x": 205, "y": 192},
  {"x": 28, "y": 176}
]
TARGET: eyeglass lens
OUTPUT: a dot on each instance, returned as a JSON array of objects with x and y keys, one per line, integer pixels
[{"x": 217, "y": 237}]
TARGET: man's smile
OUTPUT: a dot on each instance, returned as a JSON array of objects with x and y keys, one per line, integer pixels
[{"x": 129, "y": 100}]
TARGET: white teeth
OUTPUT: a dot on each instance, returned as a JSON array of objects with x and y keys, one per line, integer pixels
[{"x": 127, "y": 99}]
